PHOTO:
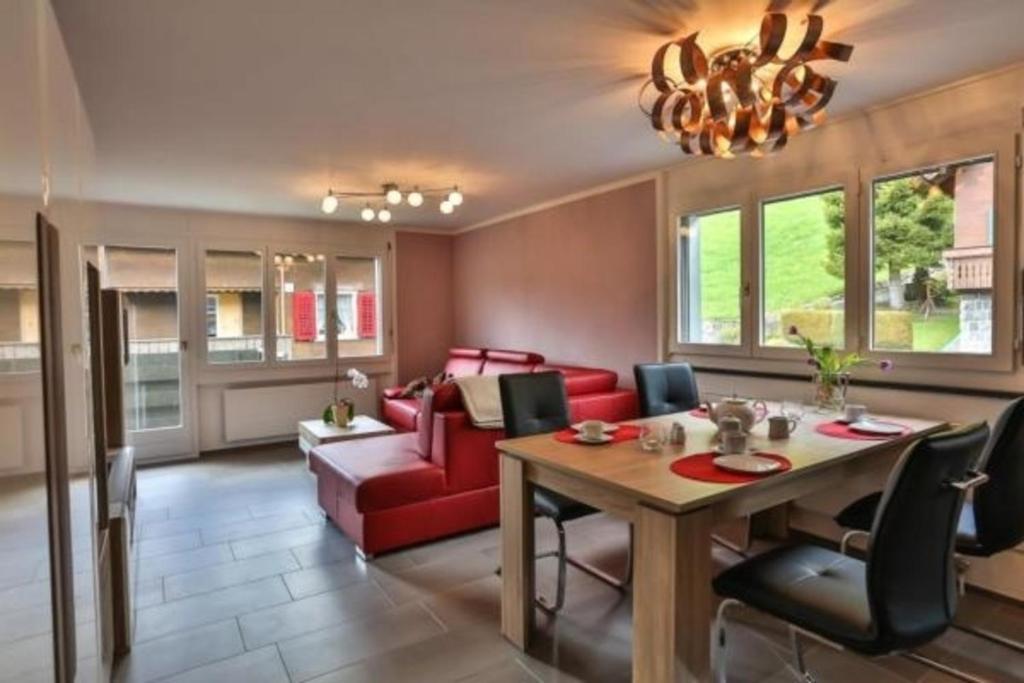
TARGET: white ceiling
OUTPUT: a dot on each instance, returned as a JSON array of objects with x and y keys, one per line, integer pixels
[{"x": 260, "y": 105}]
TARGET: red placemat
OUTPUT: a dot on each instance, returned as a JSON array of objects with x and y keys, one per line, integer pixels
[
  {"x": 623, "y": 433},
  {"x": 843, "y": 431},
  {"x": 702, "y": 468},
  {"x": 699, "y": 412}
]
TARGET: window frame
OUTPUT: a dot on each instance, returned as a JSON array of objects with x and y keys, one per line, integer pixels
[
  {"x": 792, "y": 187},
  {"x": 714, "y": 202},
  {"x": 30, "y": 375},
  {"x": 1003, "y": 151}
]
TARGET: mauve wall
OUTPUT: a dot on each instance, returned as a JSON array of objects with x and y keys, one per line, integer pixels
[
  {"x": 576, "y": 282},
  {"x": 423, "y": 273}
]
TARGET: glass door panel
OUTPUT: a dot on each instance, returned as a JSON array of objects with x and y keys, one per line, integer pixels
[{"x": 147, "y": 279}]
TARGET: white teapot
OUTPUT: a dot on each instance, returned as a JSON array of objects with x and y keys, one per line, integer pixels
[{"x": 749, "y": 413}]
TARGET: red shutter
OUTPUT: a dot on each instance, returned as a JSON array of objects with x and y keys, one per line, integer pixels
[
  {"x": 304, "y": 316},
  {"x": 367, "y": 309}
]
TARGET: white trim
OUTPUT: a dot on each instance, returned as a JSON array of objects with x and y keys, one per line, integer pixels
[{"x": 566, "y": 199}]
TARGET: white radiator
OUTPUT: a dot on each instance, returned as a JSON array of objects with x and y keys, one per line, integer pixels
[{"x": 275, "y": 411}]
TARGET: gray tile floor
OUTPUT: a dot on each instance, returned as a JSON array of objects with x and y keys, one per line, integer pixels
[{"x": 240, "y": 579}]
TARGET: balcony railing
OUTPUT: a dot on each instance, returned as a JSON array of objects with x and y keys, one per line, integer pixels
[
  {"x": 969, "y": 269},
  {"x": 19, "y": 351}
]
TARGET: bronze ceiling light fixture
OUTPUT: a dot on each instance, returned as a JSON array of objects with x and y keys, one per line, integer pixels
[{"x": 742, "y": 100}]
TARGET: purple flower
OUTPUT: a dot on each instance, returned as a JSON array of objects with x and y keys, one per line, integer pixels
[
  {"x": 793, "y": 331},
  {"x": 885, "y": 365},
  {"x": 814, "y": 363}
]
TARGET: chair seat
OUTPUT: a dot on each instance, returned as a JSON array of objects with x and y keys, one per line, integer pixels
[
  {"x": 814, "y": 588},
  {"x": 860, "y": 514},
  {"x": 558, "y": 507}
]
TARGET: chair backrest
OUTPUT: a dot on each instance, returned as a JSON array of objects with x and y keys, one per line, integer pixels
[
  {"x": 665, "y": 388},
  {"x": 533, "y": 403},
  {"x": 911, "y": 579},
  {"x": 999, "y": 504}
]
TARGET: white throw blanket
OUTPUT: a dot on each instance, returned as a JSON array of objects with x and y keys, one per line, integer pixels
[{"x": 482, "y": 399}]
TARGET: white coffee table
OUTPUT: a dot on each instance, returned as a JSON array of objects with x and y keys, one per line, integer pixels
[{"x": 312, "y": 433}]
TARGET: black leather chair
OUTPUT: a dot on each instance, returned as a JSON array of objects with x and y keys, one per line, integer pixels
[
  {"x": 536, "y": 403},
  {"x": 665, "y": 388},
  {"x": 991, "y": 523},
  {"x": 904, "y": 595}
]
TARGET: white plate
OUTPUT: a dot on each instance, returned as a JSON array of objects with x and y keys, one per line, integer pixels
[
  {"x": 608, "y": 427},
  {"x": 720, "y": 449},
  {"x": 747, "y": 464},
  {"x": 872, "y": 427},
  {"x": 604, "y": 438}
]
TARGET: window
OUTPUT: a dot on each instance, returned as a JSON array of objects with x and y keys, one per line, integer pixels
[
  {"x": 234, "y": 306},
  {"x": 298, "y": 281},
  {"x": 803, "y": 261},
  {"x": 357, "y": 288},
  {"x": 709, "y": 250},
  {"x": 933, "y": 259},
  {"x": 19, "y": 308}
]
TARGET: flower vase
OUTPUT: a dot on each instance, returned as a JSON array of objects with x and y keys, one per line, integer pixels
[{"x": 830, "y": 391}]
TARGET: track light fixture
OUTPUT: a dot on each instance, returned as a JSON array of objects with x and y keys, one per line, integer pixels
[{"x": 391, "y": 194}]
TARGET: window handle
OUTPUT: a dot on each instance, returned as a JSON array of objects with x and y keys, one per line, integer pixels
[
  {"x": 184, "y": 345},
  {"x": 746, "y": 289}
]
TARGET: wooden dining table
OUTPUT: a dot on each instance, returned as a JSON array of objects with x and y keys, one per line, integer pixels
[{"x": 672, "y": 517}]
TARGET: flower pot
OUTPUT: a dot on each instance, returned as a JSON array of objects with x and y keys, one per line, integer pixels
[{"x": 342, "y": 413}]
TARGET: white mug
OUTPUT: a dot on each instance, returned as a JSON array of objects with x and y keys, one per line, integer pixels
[
  {"x": 592, "y": 429},
  {"x": 854, "y": 412}
]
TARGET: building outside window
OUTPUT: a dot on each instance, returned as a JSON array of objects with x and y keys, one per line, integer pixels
[
  {"x": 933, "y": 256},
  {"x": 298, "y": 278},
  {"x": 234, "y": 306}
]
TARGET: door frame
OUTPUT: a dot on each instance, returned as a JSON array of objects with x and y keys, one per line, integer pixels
[{"x": 170, "y": 442}]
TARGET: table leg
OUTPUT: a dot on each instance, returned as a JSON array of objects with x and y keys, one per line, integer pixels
[
  {"x": 672, "y": 597},
  {"x": 517, "y": 564}
]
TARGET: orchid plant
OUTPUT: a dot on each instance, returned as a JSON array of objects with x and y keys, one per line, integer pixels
[
  {"x": 832, "y": 369},
  {"x": 360, "y": 381}
]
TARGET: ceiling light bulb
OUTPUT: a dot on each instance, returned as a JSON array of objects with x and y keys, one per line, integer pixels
[
  {"x": 384, "y": 215},
  {"x": 367, "y": 213},
  {"x": 393, "y": 196},
  {"x": 455, "y": 197},
  {"x": 415, "y": 198},
  {"x": 329, "y": 204},
  {"x": 447, "y": 206}
]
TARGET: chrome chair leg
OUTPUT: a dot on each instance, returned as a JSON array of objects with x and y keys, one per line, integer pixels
[
  {"x": 996, "y": 638},
  {"x": 798, "y": 655},
  {"x": 719, "y": 658},
  {"x": 543, "y": 602},
  {"x": 944, "y": 668}
]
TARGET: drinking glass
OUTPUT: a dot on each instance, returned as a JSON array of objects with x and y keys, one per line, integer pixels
[
  {"x": 652, "y": 438},
  {"x": 794, "y": 410}
]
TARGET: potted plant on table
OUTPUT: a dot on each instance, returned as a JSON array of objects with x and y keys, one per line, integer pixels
[
  {"x": 831, "y": 376},
  {"x": 341, "y": 410}
]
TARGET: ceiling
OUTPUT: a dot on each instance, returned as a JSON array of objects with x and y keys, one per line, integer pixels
[{"x": 261, "y": 105}]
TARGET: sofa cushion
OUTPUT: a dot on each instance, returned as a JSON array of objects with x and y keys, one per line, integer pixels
[
  {"x": 583, "y": 380},
  {"x": 499, "y": 362},
  {"x": 380, "y": 472},
  {"x": 401, "y": 413},
  {"x": 464, "y": 361}
]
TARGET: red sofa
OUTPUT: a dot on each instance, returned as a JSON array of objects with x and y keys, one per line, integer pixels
[{"x": 391, "y": 491}]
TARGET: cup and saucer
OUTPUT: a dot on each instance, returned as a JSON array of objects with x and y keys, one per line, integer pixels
[
  {"x": 594, "y": 431},
  {"x": 855, "y": 416}
]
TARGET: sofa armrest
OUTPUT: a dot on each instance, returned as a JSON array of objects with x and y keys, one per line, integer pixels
[
  {"x": 466, "y": 453},
  {"x": 393, "y": 392}
]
